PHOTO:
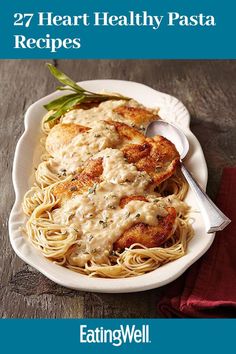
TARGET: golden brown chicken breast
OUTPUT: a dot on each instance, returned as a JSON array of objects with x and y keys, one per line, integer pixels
[
  {"x": 81, "y": 182},
  {"x": 148, "y": 235},
  {"x": 157, "y": 156},
  {"x": 137, "y": 115},
  {"x": 62, "y": 134},
  {"x": 127, "y": 133}
]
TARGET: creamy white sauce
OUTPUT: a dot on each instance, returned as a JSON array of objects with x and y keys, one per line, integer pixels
[
  {"x": 67, "y": 158},
  {"x": 96, "y": 215},
  {"x": 70, "y": 156},
  {"x": 89, "y": 116},
  {"x": 173, "y": 201},
  {"x": 103, "y": 111}
]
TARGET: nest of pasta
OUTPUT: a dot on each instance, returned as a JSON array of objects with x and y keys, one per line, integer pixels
[{"x": 107, "y": 201}]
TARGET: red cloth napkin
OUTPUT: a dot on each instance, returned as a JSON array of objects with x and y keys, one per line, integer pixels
[{"x": 208, "y": 288}]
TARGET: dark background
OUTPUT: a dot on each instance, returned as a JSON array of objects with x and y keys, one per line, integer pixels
[{"x": 208, "y": 90}]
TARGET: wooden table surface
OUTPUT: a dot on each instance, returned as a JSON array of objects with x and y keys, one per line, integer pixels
[{"x": 207, "y": 88}]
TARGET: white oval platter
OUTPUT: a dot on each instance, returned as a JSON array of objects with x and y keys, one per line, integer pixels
[{"x": 27, "y": 157}]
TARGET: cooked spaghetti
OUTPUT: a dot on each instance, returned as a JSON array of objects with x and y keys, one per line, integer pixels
[{"x": 107, "y": 201}]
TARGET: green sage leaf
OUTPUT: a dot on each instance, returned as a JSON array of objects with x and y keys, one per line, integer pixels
[
  {"x": 57, "y": 103},
  {"x": 70, "y": 103},
  {"x": 64, "y": 79},
  {"x": 62, "y": 104}
]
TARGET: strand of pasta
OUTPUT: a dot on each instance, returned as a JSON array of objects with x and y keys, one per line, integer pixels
[
  {"x": 138, "y": 260},
  {"x": 54, "y": 241}
]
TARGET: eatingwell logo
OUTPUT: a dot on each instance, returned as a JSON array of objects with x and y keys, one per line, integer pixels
[{"x": 116, "y": 337}]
